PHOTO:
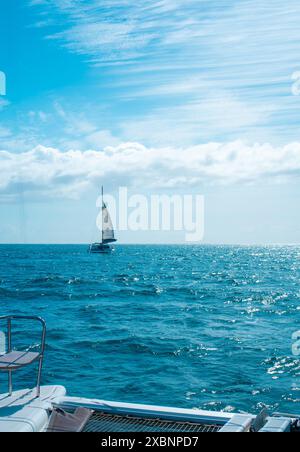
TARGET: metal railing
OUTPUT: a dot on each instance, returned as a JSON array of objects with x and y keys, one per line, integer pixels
[{"x": 40, "y": 355}]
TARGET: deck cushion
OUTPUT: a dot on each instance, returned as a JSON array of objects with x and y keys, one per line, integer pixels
[
  {"x": 277, "y": 425},
  {"x": 240, "y": 423}
]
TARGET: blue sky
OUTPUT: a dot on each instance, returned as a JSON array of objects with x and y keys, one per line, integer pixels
[{"x": 166, "y": 95}]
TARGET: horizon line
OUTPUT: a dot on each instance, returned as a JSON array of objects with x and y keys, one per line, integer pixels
[{"x": 155, "y": 244}]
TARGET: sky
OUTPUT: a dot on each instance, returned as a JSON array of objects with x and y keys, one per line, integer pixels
[{"x": 161, "y": 96}]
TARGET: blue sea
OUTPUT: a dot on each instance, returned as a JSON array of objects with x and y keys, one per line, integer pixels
[{"x": 189, "y": 326}]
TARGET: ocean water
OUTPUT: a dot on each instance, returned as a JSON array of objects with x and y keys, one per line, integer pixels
[{"x": 190, "y": 326}]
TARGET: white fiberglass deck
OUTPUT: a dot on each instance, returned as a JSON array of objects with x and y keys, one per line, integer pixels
[{"x": 23, "y": 412}]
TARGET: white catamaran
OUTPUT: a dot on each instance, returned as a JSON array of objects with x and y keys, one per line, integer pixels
[{"x": 108, "y": 233}]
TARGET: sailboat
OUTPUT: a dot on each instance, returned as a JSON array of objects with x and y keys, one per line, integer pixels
[{"x": 108, "y": 233}]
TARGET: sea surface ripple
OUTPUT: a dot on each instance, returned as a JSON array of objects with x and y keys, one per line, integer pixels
[{"x": 190, "y": 326}]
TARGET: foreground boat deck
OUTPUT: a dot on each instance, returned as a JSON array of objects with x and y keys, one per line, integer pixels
[{"x": 24, "y": 412}]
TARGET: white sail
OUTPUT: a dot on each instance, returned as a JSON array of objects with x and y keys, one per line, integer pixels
[{"x": 108, "y": 234}]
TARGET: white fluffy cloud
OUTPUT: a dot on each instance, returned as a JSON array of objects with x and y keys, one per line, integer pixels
[{"x": 50, "y": 172}]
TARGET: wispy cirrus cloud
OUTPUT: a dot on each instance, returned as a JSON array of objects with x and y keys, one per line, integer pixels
[
  {"x": 179, "y": 31},
  {"x": 217, "y": 115},
  {"x": 108, "y": 30},
  {"x": 164, "y": 57},
  {"x": 56, "y": 127},
  {"x": 49, "y": 172}
]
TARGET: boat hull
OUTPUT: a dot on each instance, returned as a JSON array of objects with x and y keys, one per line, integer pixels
[{"x": 99, "y": 248}]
